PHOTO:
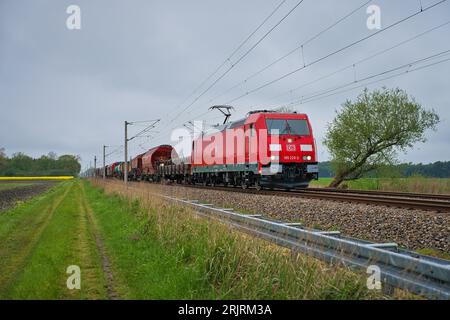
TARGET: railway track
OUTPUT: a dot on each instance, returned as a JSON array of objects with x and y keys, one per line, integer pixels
[
  {"x": 443, "y": 197},
  {"x": 381, "y": 199},
  {"x": 428, "y": 202}
]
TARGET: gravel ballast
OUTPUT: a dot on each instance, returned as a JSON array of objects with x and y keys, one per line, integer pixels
[{"x": 412, "y": 229}]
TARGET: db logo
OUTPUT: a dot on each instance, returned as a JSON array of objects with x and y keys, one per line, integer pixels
[{"x": 291, "y": 147}]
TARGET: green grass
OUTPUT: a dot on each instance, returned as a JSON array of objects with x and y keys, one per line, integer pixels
[
  {"x": 40, "y": 239},
  {"x": 12, "y": 185},
  {"x": 434, "y": 253},
  {"x": 155, "y": 250},
  {"x": 410, "y": 184},
  {"x": 164, "y": 251}
]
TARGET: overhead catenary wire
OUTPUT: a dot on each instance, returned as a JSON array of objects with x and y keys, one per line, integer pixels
[
  {"x": 376, "y": 81},
  {"x": 147, "y": 129},
  {"x": 118, "y": 150},
  {"x": 308, "y": 41},
  {"x": 326, "y": 93},
  {"x": 301, "y": 46},
  {"x": 336, "y": 52},
  {"x": 238, "y": 61},
  {"x": 398, "y": 22},
  {"x": 228, "y": 59},
  {"x": 190, "y": 120},
  {"x": 361, "y": 61}
]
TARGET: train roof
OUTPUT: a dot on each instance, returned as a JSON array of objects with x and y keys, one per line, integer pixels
[
  {"x": 139, "y": 156},
  {"x": 154, "y": 149},
  {"x": 253, "y": 114}
]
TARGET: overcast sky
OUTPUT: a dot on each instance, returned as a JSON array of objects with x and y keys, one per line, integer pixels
[{"x": 69, "y": 91}]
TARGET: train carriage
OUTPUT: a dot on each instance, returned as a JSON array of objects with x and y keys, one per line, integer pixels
[
  {"x": 117, "y": 169},
  {"x": 152, "y": 158},
  {"x": 136, "y": 168}
]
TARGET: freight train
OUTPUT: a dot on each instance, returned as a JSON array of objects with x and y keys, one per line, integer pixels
[{"x": 263, "y": 150}]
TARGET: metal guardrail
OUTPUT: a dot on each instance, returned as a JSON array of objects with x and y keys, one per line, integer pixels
[{"x": 423, "y": 275}]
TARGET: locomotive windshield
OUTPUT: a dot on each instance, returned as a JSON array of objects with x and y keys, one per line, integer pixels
[{"x": 288, "y": 126}]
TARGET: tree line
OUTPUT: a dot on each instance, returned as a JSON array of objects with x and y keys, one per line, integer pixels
[
  {"x": 439, "y": 169},
  {"x": 20, "y": 164}
]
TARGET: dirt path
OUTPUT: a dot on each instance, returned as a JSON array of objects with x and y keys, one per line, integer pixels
[
  {"x": 105, "y": 261},
  {"x": 41, "y": 239}
]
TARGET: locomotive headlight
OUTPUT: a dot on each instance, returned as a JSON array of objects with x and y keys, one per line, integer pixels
[
  {"x": 289, "y": 140},
  {"x": 307, "y": 158},
  {"x": 275, "y": 147},
  {"x": 274, "y": 158}
]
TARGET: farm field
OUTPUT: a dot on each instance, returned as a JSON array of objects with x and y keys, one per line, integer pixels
[
  {"x": 12, "y": 185},
  {"x": 411, "y": 184},
  {"x": 144, "y": 248},
  {"x": 13, "y": 193}
]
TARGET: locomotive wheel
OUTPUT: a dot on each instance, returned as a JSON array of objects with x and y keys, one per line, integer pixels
[
  {"x": 258, "y": 187},
  {"x": 244, "y": 185}
]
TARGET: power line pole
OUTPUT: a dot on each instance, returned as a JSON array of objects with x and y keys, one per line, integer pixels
[
  {"x": 140, "y": 134},
  {"x": 95, "y": 166},
  {"x": 125, "y": 166},
  {"x": 104, "y": 162}
]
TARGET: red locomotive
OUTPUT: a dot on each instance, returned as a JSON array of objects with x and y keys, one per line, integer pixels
[{"x": 264, "y": 149}]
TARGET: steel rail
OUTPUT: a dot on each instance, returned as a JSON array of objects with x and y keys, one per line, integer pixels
[
  {"x": 411, "y": 203},
  {"x": 443, "y": 197},
  {"x": 374, "y": 199}
]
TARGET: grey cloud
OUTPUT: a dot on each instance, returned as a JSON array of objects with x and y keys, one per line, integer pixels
[{"x": 70, "y": 91}]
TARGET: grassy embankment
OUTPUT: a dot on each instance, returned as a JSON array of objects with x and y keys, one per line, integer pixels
[
  {"x": 145, "y": 248},
  {"x": 411, "y": 184}
]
